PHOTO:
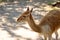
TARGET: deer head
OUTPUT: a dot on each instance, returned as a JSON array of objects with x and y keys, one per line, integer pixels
[
  {"x": 25, "y": 15},
  {"x": 57, "y": 4}
]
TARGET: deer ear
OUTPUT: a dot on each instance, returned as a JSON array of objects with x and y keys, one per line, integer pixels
[
  {"x": 31, "y": 10},
  {"x": 28, "y": 9}
]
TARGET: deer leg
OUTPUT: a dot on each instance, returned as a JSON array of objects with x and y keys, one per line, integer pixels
[
  {"x": 50, "y": 37},
  {"x": 56, "y": 33},
  {"x": 45, "y": 37}
]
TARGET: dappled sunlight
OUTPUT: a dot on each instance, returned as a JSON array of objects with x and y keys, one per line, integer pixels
[
  {"x": 9, "y": 9},
  {"x": 10, "y": 29},
  {"x": 6, "y": 13},
  {"x": 15, "y": 18},
  {"x": 4, "y": 19},
  {"x": 5, "y": 36},
  {"x": 59, "y": 33},
  {"x": 54, "y": 36},
  {"x": 18, "y": 9},
  {"x": 25, "y": 33}
]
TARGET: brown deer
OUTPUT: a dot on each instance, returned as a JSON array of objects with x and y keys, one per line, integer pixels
[
  {"x": 57, "y": 4},
  {"x": 48, "y": 24}
]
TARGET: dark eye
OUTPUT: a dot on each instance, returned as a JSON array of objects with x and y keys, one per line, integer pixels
[{"x": 24, "y": 16}]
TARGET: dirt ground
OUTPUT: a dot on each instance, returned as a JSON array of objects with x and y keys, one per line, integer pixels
[{"x": 10, "y": 29}]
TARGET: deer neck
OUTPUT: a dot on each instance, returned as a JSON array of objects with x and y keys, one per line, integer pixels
[{"x": 32, "y": 24}]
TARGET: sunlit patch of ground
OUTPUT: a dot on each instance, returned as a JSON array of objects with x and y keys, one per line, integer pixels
[{"x": 10, "y": 29}]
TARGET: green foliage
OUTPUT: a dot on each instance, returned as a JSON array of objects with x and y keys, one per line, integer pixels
[
  {"x": 49, "y": 3},
  {"x": 3, "y": 0},
  {"x": 0, "y": 0}
]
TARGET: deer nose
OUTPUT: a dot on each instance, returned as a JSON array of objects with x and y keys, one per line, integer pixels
[{"x": 17, "y": 20}]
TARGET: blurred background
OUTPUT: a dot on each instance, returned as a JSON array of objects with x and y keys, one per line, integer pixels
[{"x": 10, "y": 10}]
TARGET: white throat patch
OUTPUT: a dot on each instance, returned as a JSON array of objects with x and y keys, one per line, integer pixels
[{"x": 46, "y": 29}]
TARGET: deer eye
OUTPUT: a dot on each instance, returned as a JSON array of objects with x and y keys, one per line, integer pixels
[{"x": 24, "y": 16}]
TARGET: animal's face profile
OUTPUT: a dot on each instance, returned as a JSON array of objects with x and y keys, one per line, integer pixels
[{"x": 25, "y": 15}]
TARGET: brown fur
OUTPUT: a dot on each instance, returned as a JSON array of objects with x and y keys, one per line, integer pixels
[
  {"x": 52, "y": 19},
  {"x": 57, "y": 4}
]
